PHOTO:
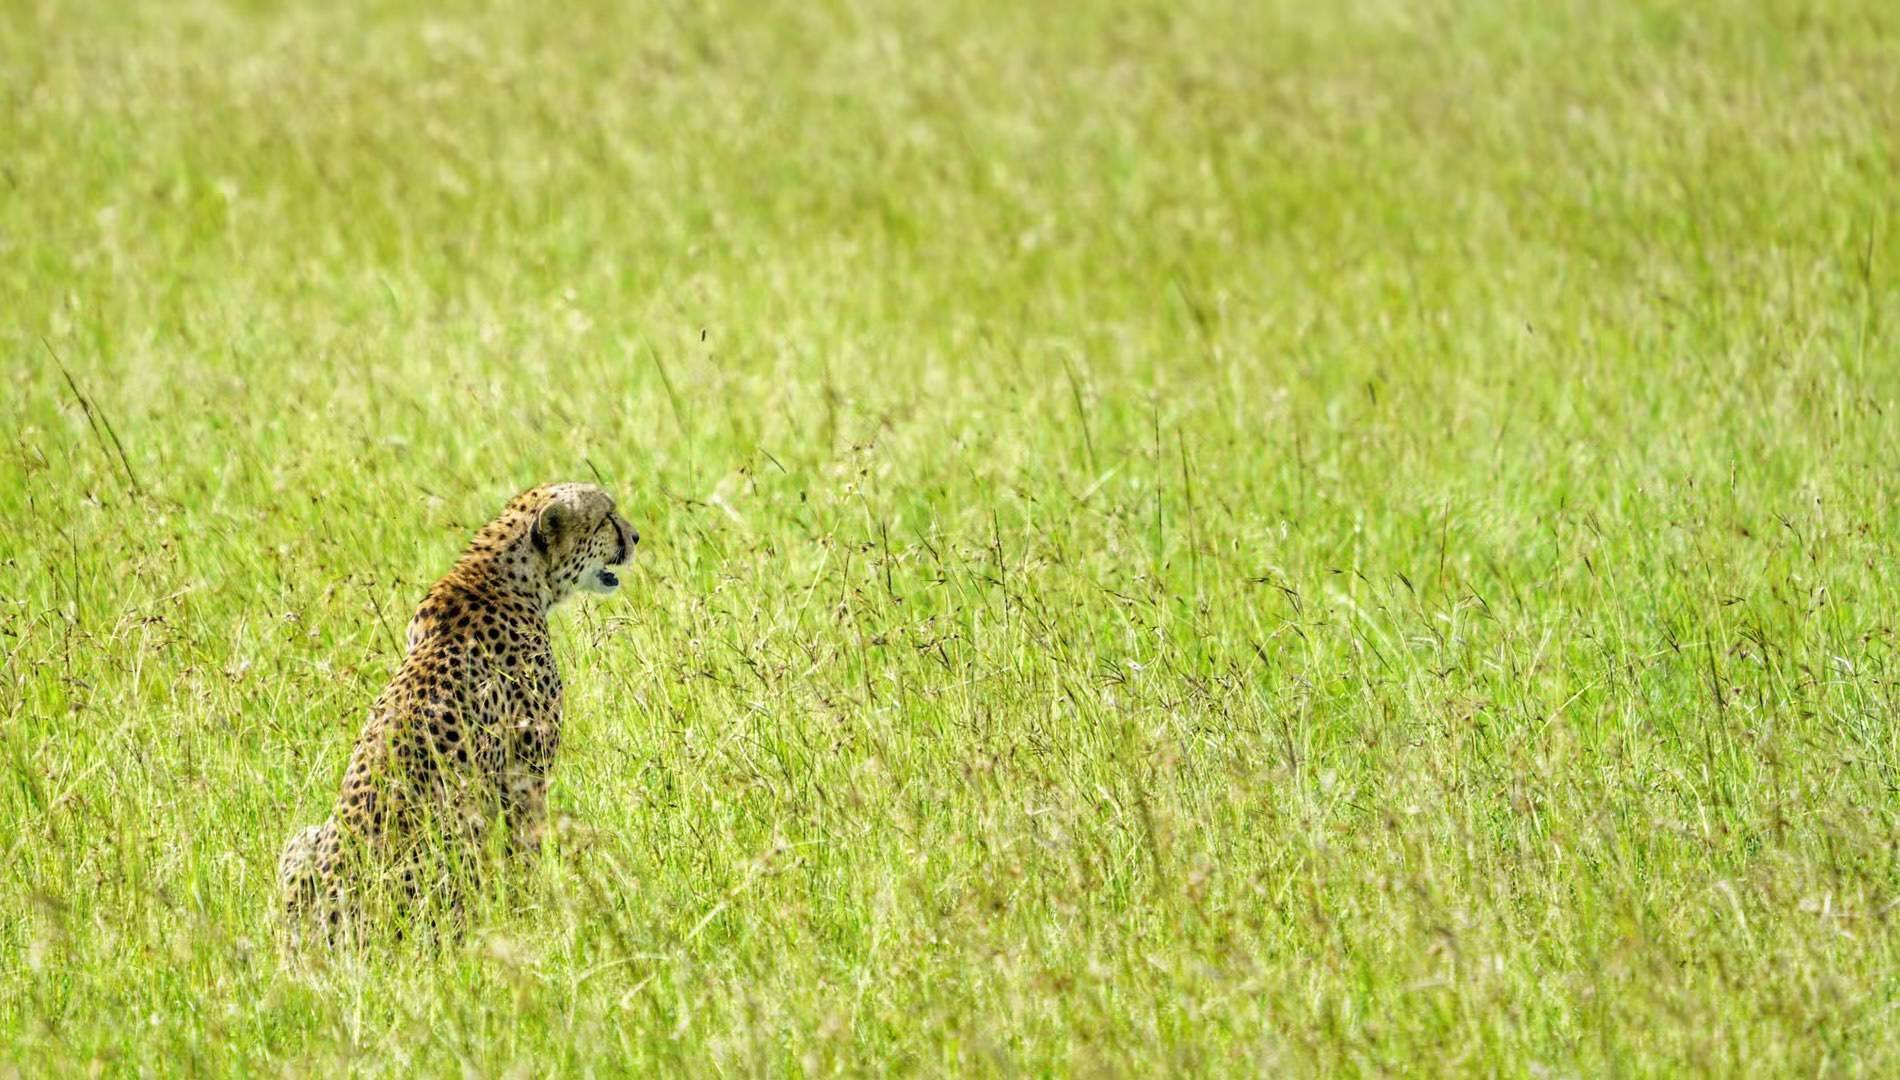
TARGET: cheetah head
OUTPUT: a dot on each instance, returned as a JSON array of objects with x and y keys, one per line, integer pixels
[{"x": 580, "y": 537}]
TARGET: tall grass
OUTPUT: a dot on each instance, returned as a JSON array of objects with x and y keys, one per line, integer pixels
[{"x": 1180, "y": 537}]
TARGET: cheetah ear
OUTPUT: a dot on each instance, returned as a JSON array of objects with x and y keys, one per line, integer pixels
[{"x": 549, "y": 524}]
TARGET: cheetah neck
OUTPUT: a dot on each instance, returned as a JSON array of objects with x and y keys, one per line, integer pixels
[{"x": 510, "y": 570}]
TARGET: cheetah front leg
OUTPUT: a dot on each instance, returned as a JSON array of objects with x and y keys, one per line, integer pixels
[
  {"x": 525, "y": 807},
  {"x": 525, "y": 782}
]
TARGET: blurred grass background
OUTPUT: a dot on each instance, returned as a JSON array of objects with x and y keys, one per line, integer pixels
[{"x": 1190, "y": 537}]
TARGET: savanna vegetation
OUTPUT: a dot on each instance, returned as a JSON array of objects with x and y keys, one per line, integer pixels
[{"x": 1188, "y": 537}]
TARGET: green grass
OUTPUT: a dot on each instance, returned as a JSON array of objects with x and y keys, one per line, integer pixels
[{"x": 1180, "y": 537}]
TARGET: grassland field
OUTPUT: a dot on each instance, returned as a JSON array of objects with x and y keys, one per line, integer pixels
[{"x": 1202, "y": 537}]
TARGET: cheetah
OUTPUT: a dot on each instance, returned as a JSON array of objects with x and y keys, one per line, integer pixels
[{"x": 453, "y": 761}]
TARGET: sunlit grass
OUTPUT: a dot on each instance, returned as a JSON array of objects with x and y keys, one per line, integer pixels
[{"x": 1181, "y": 537}]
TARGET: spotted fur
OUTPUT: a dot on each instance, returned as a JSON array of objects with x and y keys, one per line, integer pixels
[{"x": 463, "y": 737}]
